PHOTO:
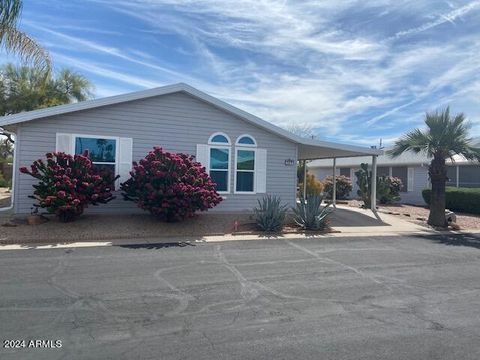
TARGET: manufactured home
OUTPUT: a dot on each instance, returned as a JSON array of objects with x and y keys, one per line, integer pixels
[{"x": 246, "y": 156}]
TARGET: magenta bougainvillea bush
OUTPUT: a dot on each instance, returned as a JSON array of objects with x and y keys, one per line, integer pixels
[
  {"x": 68, "y": 184},
  {"x": 170, "y": 186}
]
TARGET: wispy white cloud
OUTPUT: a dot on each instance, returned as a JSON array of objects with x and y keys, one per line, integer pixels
[
  {"x": 441, "y": 19},
  {"x": 87, "y": 29},
  {"x": 105, "y": 72},
  {"x": 108, "y": 50}
]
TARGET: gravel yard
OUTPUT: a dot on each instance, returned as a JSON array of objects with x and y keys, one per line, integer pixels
[
  {"x": 127, "y": 226},
  {"x": 105, "y": 227},
  {"x": 419, "y": 214}
]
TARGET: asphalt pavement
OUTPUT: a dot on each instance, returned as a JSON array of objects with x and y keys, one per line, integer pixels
[{"x": 333, "y": 298}]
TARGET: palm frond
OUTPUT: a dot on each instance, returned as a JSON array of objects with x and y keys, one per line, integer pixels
[
  {"x": 415, "y": 141},
  {"x": 10, "y": 11},
  {"x": 28, "y": 49}
]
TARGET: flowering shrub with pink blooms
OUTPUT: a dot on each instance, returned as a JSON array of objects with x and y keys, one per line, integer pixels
[
  {"x": 68, "y": 184},
  {"x": 170, "y": 186}
]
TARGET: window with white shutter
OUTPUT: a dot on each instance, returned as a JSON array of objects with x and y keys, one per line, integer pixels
[
  {"x": 64, "y": 143},
  {"x": 411, "y": 174},
  {"x": 125, "y": 158},
  {"x": 110, "y": 156},
  {"x": 261, "y": 171}
]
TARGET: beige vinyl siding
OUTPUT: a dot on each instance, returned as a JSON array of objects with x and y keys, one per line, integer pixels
[{"x": 177, "y": 122}]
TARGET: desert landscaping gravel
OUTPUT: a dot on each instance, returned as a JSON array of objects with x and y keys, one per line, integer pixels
[
  {"x": 116, "y": 226},
  {"x": 419, "y": 214}
]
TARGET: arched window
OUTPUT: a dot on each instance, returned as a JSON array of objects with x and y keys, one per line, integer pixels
[
  {"x": 245, "y": 164},
  {"x": 219, "y": 138},
  {"x": 219, "y": 160},
  {"x": 246, "y": 140}
]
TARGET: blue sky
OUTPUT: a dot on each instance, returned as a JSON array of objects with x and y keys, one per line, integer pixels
[{"x": 356, "y": 71}]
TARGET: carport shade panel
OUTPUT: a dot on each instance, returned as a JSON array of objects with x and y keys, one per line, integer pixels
[{"x": 313, "y": 152}]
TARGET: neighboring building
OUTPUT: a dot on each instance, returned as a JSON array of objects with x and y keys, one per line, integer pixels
[
  {"x": 246, "y": 156},
  {"x": 411, "y": 168}
]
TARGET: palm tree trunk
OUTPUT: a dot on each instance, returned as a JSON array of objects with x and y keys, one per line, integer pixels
[{"x": 438, "y": 177}]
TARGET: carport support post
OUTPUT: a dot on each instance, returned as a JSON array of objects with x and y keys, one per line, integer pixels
[
  {"x": 304, "y": 179},
  {"x": 374, "y": 184},
  {"x": 334, "y": 192}
]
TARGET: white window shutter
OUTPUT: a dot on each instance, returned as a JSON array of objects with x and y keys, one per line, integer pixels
[
  {"x": 410, "y": 179},
  {"x": 202, "y": 155},
  {"x": 125, "y": 158},
  {"x": 261, "y": 170},
  {"x": 64, "y": 143}
]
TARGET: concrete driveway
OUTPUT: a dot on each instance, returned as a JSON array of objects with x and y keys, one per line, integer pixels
[
  {"x": 343, "y": 298},
  {"x": 345, "y": 216}
]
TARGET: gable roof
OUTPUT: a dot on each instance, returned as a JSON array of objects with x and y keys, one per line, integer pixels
[{"x": 310, "y": 145}]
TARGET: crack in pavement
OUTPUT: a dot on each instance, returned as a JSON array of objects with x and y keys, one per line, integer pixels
[
  {"x": 248, "y": 290},
  {"x": 251, "y": 290},
  {"x": 181, "y": 296},
  {"x": 335, "y": 262}
]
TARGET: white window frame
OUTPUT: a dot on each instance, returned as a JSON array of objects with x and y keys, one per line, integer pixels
[
  {"x": 254, "y": 145},
  {"x": 117, "y": 151},
  {"x": 221, "y": 146},
  {"x": 246, "y": 147},
  {"x": 210, "y": 142}
]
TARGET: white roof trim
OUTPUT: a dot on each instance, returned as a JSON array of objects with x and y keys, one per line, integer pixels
[{"x": 169, "y": 89}]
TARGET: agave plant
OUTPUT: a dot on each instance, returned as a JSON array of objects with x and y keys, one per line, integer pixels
[
  {"x": 310, "y": 215},
  {"x": 270, "y": 214}
]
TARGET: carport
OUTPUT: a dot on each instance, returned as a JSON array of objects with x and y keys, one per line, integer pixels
[{"x": 311, "y": 149}]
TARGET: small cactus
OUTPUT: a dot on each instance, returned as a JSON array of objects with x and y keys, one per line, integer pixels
[{"x": 364, "y": 183}]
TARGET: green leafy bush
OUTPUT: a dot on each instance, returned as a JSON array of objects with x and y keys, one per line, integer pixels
[
  {"x": 3, "y": 182},
  {"x": 459, "y": 199},
  {"x": 344, "y": 187},
  {"x": 270, "y": 214},
  {"x": 310, "y": 214}
]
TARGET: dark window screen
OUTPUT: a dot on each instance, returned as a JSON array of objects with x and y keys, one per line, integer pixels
[
  {"x": 345, "y": 172},
  {"x": 452, "y": 176},
  {"x": 469, "y": 176},
  {"x": 383, "y": 171}
]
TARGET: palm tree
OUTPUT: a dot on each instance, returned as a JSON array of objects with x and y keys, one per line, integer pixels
[
  {"x": 18, "y": 42},
  {"x": 444, "y": 137},
  {"x": 70, "y": 86},
  {"x": 24, "y": 88}
]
